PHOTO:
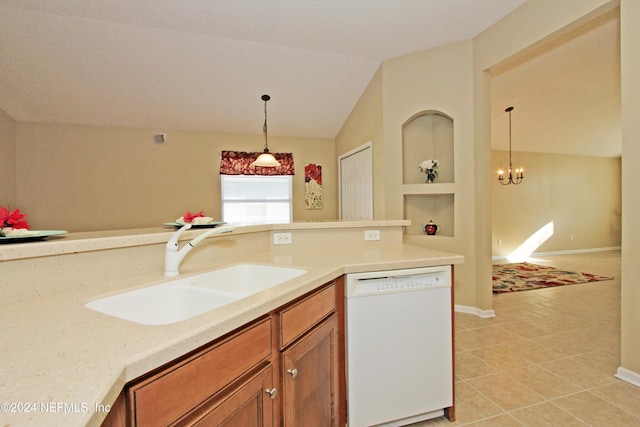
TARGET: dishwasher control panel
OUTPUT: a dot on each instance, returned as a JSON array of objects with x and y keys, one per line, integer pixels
[{"x": 407, "y": 280}]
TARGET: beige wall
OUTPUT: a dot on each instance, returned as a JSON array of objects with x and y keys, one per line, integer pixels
[
  {"x": 81, "y": 178},
  {"x": 8, "y": 168},
  {"x": 579, "y": 195},
  {"x": 165, "y": 180},
  {"x": 530, "y": 26},
  {"x": 365, "y": 124},
  {"x": 630, "y": 51},
  {"x": 535, "y": 23},
  {"x": 436, "y": 80}
]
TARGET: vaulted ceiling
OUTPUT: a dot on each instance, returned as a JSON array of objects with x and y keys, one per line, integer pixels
[
  {"x": 566, "y": 94},
  {"x": 204, "y": 64}
]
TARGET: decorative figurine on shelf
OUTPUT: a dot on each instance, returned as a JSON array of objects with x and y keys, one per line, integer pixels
[
  {"x": 430, "y": 228},
  {"x": 429, "y": 167}
]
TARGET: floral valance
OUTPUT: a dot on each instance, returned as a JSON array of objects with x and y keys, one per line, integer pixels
[{"x": 239, "y": 163}]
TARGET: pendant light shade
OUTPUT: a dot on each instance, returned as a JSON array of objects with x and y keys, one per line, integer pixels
[{"x": 266, "y": 159}]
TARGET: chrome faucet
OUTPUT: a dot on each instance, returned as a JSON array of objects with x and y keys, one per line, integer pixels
[{"x": 173, "y": 257}]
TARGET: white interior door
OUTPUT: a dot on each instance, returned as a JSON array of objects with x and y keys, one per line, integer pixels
[{"x": 356, "y": 184}]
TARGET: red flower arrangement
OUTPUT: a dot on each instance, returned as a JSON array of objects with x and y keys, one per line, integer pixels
[
  {"x": 188, "y": 216},
  {"x": 9, "y": 219},
  {"x": 198, "y": 218}
]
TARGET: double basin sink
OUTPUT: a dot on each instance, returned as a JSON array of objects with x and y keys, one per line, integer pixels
[{"x": 183, "y": 298}]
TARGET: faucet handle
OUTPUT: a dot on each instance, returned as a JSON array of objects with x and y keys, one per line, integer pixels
[{"x": 172, "y": 244}]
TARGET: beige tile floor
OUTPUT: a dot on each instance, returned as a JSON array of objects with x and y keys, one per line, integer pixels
[{"x": 549, "y": 356}]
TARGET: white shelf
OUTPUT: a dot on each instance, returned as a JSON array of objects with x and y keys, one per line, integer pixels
[{"x": 428, "y": 189}]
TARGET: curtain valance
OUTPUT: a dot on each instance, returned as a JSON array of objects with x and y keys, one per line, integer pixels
[{"x": 239, "y": 163}]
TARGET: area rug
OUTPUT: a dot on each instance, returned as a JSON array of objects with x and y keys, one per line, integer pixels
[{"x": 524, "y": 276}]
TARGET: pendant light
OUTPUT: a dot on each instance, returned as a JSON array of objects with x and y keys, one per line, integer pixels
[
  {"x": 519, "y": 171},
  {"x": 266, "y": 159}
]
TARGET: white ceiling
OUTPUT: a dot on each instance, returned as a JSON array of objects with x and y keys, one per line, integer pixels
[{"x": 204, "y": 64}]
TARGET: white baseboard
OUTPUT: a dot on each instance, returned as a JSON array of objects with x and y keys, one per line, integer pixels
[
  {"x": 568, "y": 252},
  {"x": 485, "y": 314},
  {"x": 629, "y": 376},
  {"x": 577, "y": 251}
]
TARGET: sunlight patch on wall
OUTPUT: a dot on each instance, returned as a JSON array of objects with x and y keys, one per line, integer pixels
[{"x": 532, "y": 243}]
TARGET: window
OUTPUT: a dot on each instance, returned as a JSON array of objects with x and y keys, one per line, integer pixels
[{"x": 256, "y": 199}]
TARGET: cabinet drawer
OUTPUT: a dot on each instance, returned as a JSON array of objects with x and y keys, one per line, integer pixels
[
  {"x": 167, "y": 395},
  {"x": 301, "y": 316}
]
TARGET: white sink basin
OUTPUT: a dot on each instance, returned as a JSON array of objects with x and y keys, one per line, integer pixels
[
  {"x": 246, "y": 279},
  {"x": 187, "y": 297}
]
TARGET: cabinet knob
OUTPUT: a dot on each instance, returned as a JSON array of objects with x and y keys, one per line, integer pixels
[
  {"x": 293, "y": 372},
  {"x": 272, "y": 393}
]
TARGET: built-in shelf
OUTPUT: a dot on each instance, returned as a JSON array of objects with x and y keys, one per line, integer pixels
[
  {"x": 422, "y": 208},
  {"x": 433, "y": 188},
  {"x": 428, "y": 135}
]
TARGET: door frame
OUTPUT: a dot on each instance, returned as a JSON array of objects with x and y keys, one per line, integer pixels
[{"x": 366, "y": 146}]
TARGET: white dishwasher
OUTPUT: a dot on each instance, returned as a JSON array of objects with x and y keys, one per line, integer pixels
[{"x": 398, "y": 345}]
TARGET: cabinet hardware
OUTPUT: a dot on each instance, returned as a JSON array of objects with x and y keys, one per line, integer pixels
[
  {"x": 272, "y": 393},
  {"x": 293, "y": 372}
]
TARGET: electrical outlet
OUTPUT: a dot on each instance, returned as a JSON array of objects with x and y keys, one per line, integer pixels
[
  {"x": 499, "y": 242},
  {"x": 371, "y": 235},
  {"x": 282, "y": 238}
]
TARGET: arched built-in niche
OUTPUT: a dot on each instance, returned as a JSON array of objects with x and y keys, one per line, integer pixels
[{"x": 427, "y": 135}]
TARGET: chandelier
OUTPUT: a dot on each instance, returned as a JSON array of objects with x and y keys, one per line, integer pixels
[{"x": 519, "y": 172}]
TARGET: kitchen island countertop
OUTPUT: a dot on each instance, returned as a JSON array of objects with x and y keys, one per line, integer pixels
[{"x": 64, "y": 364}]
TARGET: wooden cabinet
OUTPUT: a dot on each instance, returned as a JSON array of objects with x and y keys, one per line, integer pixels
[
  {"x": 310, "y": 381},
  {"x": 310, "y": 360},
  {"x": 286, "y": 368},
  {"x": 248, "y": 404},
  {"x": 300, "y": 316},
  {"x": 172, "y": 393}
]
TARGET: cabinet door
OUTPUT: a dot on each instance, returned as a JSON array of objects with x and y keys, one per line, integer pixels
[
  {"x": 310, "y": 378},
  {"x": 250, "y": 404}
]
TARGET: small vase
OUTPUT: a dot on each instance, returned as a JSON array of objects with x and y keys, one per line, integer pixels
[{"x": 430, "y": 228}]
